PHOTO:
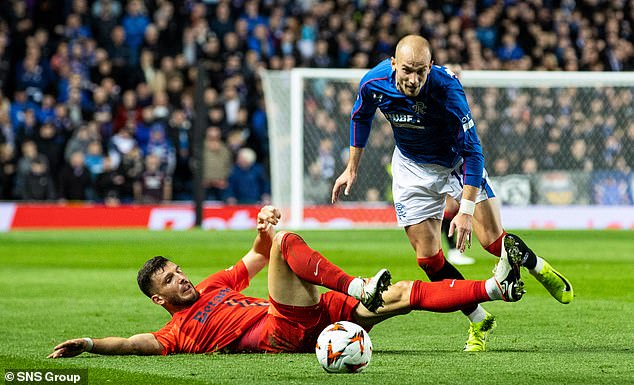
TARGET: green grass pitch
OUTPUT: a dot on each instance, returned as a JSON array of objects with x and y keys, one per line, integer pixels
[{"x": 60, "y": 285}]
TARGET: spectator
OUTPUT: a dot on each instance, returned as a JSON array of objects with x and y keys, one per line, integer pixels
[
  {"x": 47, "y": 109},
  {"x": 160, "y": 146},
  {"x": 75, "y": 183},
  {"x": 62, "y": 123},
  {"x": 151, "y": 41},
  {"x": 75, "y": 29},
  {"x": 28, "y": 128},
  {"x": 108, "y": 184},
  {"x": 102, "y": 112},
  {"x": 131, "y": 168},
  {"x": 150, "y": 74},
  {"x": 217, "y": 162},
  {"x": 98, "y": 7},
  {"x": 19, "y": 106},
  {"x": 49, "y": 144},
  {"x": 7, "y": 171},
  {"x": 170, "y": 30},
  {"x": 120, "y": 55},
  {"x": 318, "y": 192},
  {"x": 128, "y": 110},
  {"x": 38, "y": 184},
  {"x": 120, "y": 144},
  {"x": 94, "y": 159},
  {"x": 154, "y": 185},
  {"x": 509, "y": 50},
  {"x": 79, "y": 142},
  {"x": 134, "y": 23},
  {"x": 179, "y": 135},
  {"x": 105, "y": 20},
  {"x": 29, "y": 155},
  {"x": 247, "y": 182},
  {"x": 222, "y": 23},
  {"x": 34, "y": 77}
]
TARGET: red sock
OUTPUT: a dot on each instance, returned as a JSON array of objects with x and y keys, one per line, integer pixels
[
  {"x": 448, "y": 295},
  {"x": 311, "y": 266},
  {"x": 495, "y": 248},
  {"x": 433, "y": 264}
]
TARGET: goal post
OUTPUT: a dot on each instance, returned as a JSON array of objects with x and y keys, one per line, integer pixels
[
  {"x": 284, "y": 98},
  {"x": 552, "y": 140}
]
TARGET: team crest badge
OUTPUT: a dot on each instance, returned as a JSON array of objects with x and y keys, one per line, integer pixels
[{"x": 419, "y": 108}]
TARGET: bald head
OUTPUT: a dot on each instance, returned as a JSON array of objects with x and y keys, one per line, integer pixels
[
  {"x": 411, "y": 64},
  {"x": 413, "y": 48}
]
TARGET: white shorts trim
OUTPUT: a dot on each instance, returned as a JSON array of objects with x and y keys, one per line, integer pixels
[{"x": 420, "y": 190}]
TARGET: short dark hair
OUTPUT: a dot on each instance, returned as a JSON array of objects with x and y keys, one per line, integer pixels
[{"x": 144, "y": 277}]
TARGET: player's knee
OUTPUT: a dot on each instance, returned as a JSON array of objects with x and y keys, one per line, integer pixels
[
  {"x": 285, "y": 241},
  {"x": 432, "y": 264},
  {"x": 279, "y": 238},
  {"x": 277, "y": 247}
]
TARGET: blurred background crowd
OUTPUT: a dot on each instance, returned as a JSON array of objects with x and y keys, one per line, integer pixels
[{"x": 97, "y": 97}]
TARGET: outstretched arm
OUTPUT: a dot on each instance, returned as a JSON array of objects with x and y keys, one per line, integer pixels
[
  {"x": 349, "y": 175},
  {"x": 140, "y": 344},
  {"x": 258, "y": 256}
]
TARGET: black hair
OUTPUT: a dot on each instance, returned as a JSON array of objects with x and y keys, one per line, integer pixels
[{"x": 144, "y": 277}]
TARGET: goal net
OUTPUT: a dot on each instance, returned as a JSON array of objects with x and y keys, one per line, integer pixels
[{"x": 551, "y": 140}]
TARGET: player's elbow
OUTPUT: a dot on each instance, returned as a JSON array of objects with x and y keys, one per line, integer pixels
[{"x": 142, "y": 346}]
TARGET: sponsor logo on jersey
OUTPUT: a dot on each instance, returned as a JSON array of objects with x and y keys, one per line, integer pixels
[
  {"x": 404, "y": 120},
  {"x": 201, "y": 316}
]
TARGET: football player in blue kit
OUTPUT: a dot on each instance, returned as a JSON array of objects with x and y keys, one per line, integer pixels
[{"x": 437, "y": 153}]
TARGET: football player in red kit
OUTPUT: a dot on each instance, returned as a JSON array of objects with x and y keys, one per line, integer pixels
[{"x": 214, "y": 316}]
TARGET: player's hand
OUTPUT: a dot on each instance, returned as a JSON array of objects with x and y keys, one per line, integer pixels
[
  {"x": 267, "y": 217},
  {"x": 69, "y": 348},
  {"x": 347, "y": 179},
  {"x": 461, "y": 226}
]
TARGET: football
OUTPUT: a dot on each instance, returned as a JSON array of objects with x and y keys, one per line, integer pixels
[{"x": 344, "y": 347}]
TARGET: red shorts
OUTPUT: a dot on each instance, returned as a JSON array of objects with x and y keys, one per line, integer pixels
[{"x": 289, "y": 328}]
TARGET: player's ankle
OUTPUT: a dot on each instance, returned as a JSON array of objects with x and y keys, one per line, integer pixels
[
  {"x": 356, "y": 288},
  {"x": 493, "y": 290}
]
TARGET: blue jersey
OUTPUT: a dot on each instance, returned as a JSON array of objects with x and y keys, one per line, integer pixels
[{"x": 434, "y": 127}]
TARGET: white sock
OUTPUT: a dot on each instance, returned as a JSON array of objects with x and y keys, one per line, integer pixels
[
  {"x": 492, "y": 289},
  {"x": 355, "y": 288},
  {"x": 538, "y": 266},
  {"x": 477, "y": 315}
]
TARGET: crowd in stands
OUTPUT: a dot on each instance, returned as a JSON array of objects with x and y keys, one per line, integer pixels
[{"x": 97, "y": 97}]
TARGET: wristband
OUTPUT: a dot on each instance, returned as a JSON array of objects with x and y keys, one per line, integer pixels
[
  {"x": 89, "y": 342},
  {"x": 467, "y": 207}
]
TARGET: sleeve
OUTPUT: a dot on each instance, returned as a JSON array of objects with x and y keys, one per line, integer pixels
[
  {"x": 235, "y": 277},
  {"x": 468, "y": 143},
  {"x": 165, "y": 336},
  {"x": 362, "y": 114}
]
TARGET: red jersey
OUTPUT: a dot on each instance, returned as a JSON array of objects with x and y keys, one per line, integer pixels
[{"x": 218, "y": 318}]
